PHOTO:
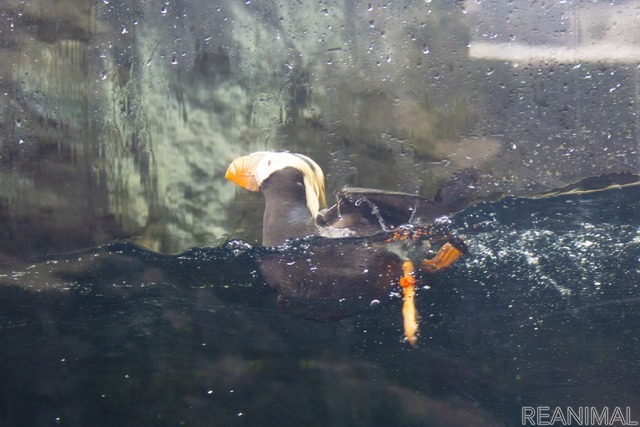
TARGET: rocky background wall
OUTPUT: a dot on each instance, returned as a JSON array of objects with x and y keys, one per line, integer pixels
[{"x": 118, "y": 118}]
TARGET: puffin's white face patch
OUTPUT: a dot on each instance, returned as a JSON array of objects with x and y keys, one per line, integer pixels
[
  {"x": 312, "y": 173},
  {"x": 272, "y": 162}
]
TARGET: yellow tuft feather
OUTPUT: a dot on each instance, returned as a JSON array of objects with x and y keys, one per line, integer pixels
[{"x": 313, "y": 184}]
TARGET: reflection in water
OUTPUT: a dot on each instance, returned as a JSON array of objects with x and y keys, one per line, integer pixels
[{"x": 543, "y": 312}]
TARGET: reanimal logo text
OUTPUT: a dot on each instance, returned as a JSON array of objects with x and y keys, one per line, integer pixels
[{"x": 578, "y": 416}]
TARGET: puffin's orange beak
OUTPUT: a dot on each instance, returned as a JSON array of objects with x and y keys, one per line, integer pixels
[{"x": 242, "y": 171}]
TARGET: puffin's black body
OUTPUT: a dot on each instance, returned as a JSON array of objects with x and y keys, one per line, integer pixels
[
  {"x": 331, "y": 278},
  {"x": 286, "y": 215},
  {"x": 330, "y": 263},
  {"x": 328, "y": 279}
]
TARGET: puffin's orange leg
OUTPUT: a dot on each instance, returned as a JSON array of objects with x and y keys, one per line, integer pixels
[
  {"x": 447, "y": 255},
  {"x": 407, "y": 282}
]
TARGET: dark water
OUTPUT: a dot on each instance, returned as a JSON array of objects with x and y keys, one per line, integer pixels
[{"x": 544, "y": 311}]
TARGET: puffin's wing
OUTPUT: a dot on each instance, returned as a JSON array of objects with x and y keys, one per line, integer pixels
[{"x": 367, "y": 211}]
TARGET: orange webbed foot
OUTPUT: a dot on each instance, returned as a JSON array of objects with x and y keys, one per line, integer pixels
[
  {"x": 447, "y": 255},
  {"x": 409, "y": 313}
]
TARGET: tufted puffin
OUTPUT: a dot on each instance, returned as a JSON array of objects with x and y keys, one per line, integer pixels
[{"x": 328, "y": 263}]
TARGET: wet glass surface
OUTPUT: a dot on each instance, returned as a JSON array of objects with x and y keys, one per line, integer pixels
[
  {"x": 542, "y": 312},
  {"x": 118, "y": 119}
]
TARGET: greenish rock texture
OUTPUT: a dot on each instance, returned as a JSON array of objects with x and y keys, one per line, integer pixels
[{"x": 118, "y": 118}]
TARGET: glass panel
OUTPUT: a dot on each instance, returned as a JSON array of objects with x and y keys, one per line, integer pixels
[{"x": 119, "y": 118}]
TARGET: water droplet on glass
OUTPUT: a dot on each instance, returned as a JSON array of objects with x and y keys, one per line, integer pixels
[
  {"x": 374, "y": 302},
  {"x": 164, "y": 10},
  {"x": 372, "y": 23},
  {"x": 105, "y": 1}
]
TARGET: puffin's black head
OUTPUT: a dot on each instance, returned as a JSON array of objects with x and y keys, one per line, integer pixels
[
  {"x": 293, "y": 186},
  {"x": 285, "y": 184}
]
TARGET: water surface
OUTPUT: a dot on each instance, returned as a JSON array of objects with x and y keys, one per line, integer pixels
[{"x": 544, "y": 311}]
